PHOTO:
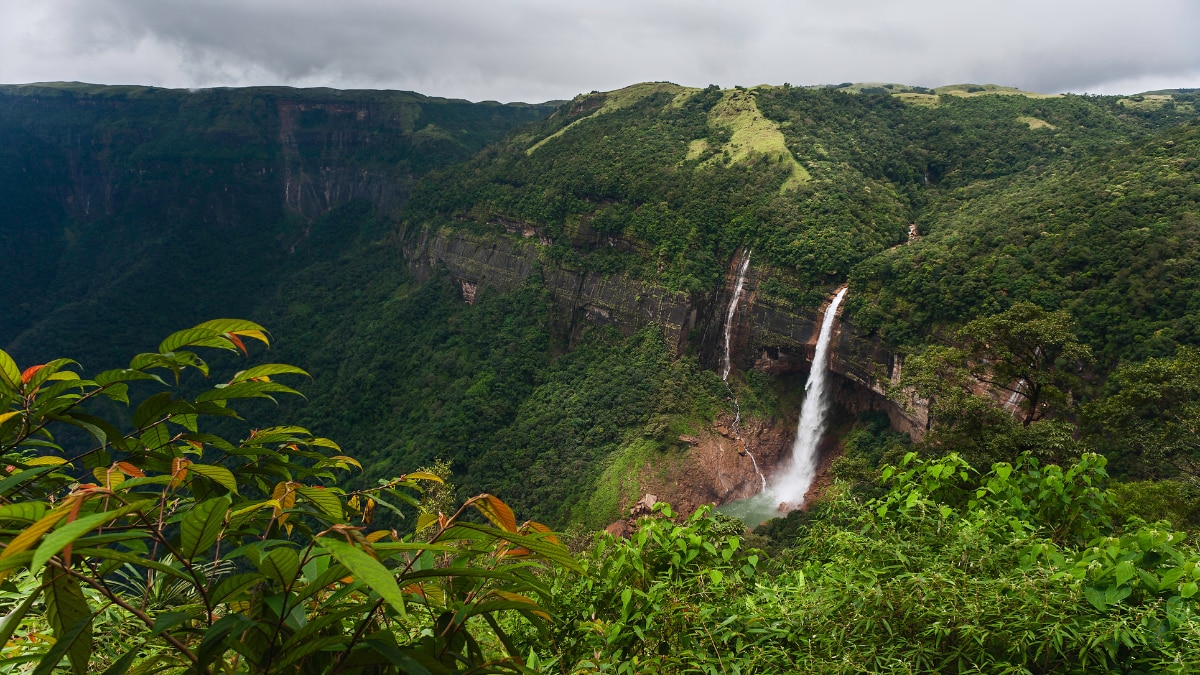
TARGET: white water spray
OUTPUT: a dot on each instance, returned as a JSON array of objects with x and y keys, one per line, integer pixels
[
  {"x": 726, "y": 361},
  {"x": 790, "y": 488}
]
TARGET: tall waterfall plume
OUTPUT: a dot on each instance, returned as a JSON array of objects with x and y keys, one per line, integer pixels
[{"x": 790, "y": 487}]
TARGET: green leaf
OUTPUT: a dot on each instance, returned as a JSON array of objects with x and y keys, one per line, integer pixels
[
  {"x": 65, "y": 535},
  {"x": 211, "y": 645},
  {"x": 367, "y": 570},
  {"x": 122, "y": 556},
  {"x": 538, "y": 544},
  {"x": 23, "y": 511},
  {"x": 168, "y": 620},
  {"x": 1124, "y": 572},
  {"x": 152, "y": 409},
  {"x": 122, "y": 375},
  {"x": 68, "y": 644},
  {"x": 156, "y": 437},
  {"x": 389, "y": 650},
  {"x": 71, "y": 620},
  {"x": 10, "y": 621},
  {"x": 1189, "y": 589},
  {"x": 9, "y": 373},
  {"x": 202, "y": 525},
  {"x": 267, "y": 370},
  {"x": 217, "y": 474},
  {"x": 229, "y": 586},
  {"x": 121, "y": 665},
  {"x": 281, "y": 564},
  {"x": 246, "y": 390},
  {"x": 326, "y": 501}
]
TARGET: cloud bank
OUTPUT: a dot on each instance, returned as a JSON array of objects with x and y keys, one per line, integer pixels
[{"x": 537, "y": 50}]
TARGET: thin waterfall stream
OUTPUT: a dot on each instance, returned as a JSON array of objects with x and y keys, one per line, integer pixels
[
  {"x": 726, "y": 363},
  {"x": 787, "y": 490}
]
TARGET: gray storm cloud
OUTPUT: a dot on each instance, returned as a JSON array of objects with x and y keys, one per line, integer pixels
[{"x": 546, "y": 49}]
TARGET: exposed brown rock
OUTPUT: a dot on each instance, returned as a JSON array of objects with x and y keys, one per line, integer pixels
[
  {"x": 621, "y": 529},
  {"x": 716, "y": 470},
  {"x": 644, "y": 506}
]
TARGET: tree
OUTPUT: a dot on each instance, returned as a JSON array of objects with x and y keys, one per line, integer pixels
[
  {"x": 1029, "y": 352},
  {"x": 201, "y": 554},
  {"x": 1025, "y": 353},
  {"x": 1153, "y": 411}
]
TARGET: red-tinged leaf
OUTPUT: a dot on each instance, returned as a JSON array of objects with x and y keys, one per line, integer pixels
[
  {"x": 496, "y": 511},
  {"x": 534, "y": 526},
  {"x": 179, "y": 470},
  {"x": 30, "y": 372},
  {"x": 237, "y": 341},
  {"x": 130, "y": 470}
]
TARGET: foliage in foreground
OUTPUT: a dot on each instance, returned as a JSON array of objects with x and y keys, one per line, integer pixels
[
  {"x": 1018, "y": 570},
  {"x": 157, "y": 547}
]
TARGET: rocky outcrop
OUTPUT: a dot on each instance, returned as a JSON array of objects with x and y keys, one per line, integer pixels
[{"x": 719, "y": 467}]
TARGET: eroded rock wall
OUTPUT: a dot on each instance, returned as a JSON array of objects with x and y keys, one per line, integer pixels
[
  {"x": 769, "y": 334},
  {"x": 581, "y": 298}
]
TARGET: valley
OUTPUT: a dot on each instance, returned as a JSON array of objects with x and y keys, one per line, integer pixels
[{"x": 924, "y": 320}]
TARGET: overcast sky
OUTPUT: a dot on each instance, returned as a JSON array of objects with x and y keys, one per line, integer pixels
[{"x": 536, "y": 50}]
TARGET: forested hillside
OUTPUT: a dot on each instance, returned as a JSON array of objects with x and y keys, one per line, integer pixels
[
  {"x": 134, "y": 210},
  {"x": 521, "y": 308}
]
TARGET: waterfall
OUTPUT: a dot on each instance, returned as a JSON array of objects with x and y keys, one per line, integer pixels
[
  {"x": 787, "y": 490},
  {"x": 733, "y": 305},
  {"x": 791, "y": 486},
  {"x": 725, "y": 364},
  {"x": 1011, "y": 404}
]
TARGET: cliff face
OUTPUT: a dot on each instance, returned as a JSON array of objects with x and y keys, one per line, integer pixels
[
  {"x": 580, "y": 298},
  {"x": 769, "y": 334},
  {"x": 124, "y": 198}
]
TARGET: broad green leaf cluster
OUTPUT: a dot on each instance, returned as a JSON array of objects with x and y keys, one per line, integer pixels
[{"x": 157, "y": 546}]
